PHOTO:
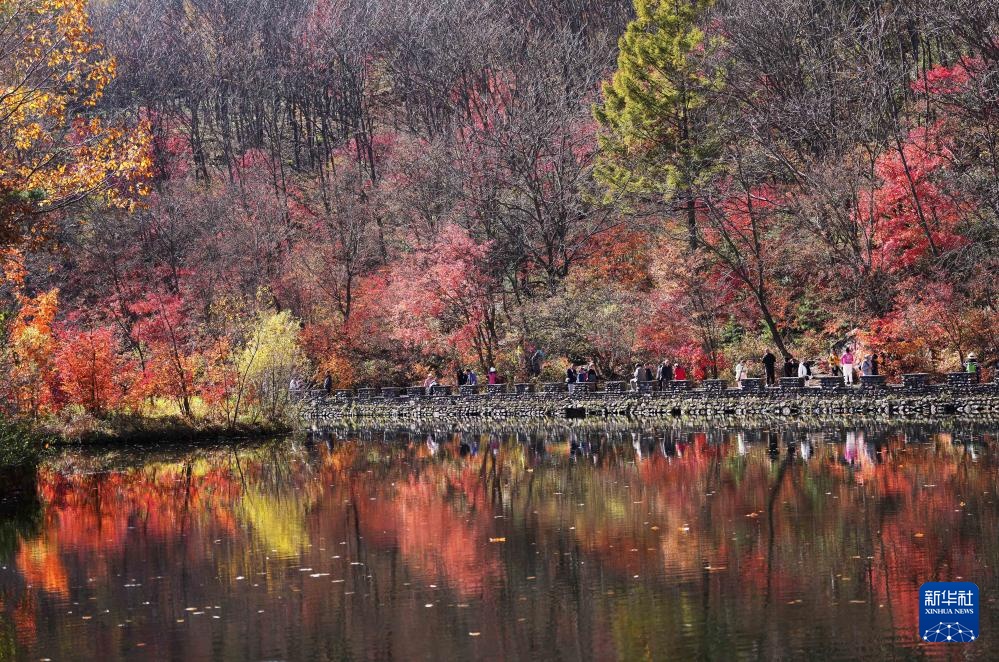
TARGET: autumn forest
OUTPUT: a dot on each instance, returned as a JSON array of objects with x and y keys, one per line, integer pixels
[{"x": 201, "y": 200}]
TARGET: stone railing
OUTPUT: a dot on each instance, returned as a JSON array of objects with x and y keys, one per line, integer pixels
[
  {"x": 915, "y": 382},
  {"x": 962, "y": 379},
  {"x": 828, "y": 382},
  {"x": 823, "y": 396},
  {"x": 873, "y": 382},
  {"x": 714, "y": 385}
]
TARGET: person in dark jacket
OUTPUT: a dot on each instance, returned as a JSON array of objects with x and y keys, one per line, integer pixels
[
  {"x": 769, "y": 366},
  {"x": 570, "y": 375},
  {"x": 328, "y": 383},
  {"x": 460, "y": 377},
  {"x": 591, "y": 374},
  {"x": 665, "y": 375},
  {"x": 649, "y": 376}
]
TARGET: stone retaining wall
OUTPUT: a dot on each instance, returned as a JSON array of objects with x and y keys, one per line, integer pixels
[{"x": 980, "y": 402}]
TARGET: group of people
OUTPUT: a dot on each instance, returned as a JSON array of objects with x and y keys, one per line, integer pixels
[
  {"x": 466, "y": 377},
  {"x": 666, "y": 372},
  {"x": 845, "y": 364},
  {"x": 463, "y": 377},
  {"x": 644, "y": 373},
  {"x": 581, "y": 374}
]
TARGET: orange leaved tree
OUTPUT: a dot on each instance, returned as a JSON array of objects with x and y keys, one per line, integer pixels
[
  {"x": 87, "y": 363},
  {"x": 56, "y": 149}
]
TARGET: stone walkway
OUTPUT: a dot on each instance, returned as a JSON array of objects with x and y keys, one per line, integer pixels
[{"x": 914, "y": 400}]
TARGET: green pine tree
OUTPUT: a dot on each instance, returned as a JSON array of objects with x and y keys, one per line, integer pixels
[{"x": 656, "y": 141}]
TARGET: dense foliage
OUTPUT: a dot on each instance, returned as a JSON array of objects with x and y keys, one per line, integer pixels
[{"x": 205, "y": 199}]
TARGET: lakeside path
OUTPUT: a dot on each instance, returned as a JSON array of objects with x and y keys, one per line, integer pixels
[{"x": 895, "y": 403}]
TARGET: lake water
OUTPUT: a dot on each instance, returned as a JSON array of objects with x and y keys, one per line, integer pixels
[{"x": 560, "y": 543}]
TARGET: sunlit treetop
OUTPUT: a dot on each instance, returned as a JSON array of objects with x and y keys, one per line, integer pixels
[{"x": 56, "y": 150}]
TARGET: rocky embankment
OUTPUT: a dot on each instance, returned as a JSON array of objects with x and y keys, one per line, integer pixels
[{"x": 980, "y": 403}]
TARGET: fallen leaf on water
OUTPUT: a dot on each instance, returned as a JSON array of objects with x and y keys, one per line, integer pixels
[
  {"x": 474, "y": 634},
  {"x": 497, "y": 540},
  {"x": 920, "y": 535}
]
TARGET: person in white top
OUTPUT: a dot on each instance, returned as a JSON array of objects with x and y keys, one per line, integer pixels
[
  {"x": 740, "y": 372},
  {"x": 802, "y": 370}
]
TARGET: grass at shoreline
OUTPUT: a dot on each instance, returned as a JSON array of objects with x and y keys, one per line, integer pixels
[
  {"x": 23, "y": 445},
  {"x": 143, "y": 430},
  {"x": 20, "y": 444}
]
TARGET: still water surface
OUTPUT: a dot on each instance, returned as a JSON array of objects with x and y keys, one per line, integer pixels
[{"x": 566, "y": 544}]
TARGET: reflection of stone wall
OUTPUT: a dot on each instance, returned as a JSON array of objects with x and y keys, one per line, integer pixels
[{"x": 981, "y": 402}]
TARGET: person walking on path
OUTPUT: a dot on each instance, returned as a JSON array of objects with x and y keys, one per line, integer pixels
[
  {"x": 740, "y": 372},
  {"x": 770, "y": 367},
  {"x": 328, "y": 383},
  {"x": 664, "y": 375},
  {"x": 639, "y": 375},
  {"x": 537, "y": 361},
  {"x": 471, "y": 379},
  {"x": 803, "y": 371},
  {"x": 833, "y": 363},
  {"x": 972, "y": 366},
  {"x": 846, "y": 362},
  {"x": 591, "y": 374},
  {"x": 874, "y": 364}
]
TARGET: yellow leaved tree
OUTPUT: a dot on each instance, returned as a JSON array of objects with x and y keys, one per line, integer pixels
[{"x": 56, "y": 148}]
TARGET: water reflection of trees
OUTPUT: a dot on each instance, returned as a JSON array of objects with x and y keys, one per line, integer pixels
[{"x": 733, "y": 533}]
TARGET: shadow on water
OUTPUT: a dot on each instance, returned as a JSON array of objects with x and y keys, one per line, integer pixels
[
  {"x": 20, "y": 508},
  {"x": 568, "y": 540}
]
